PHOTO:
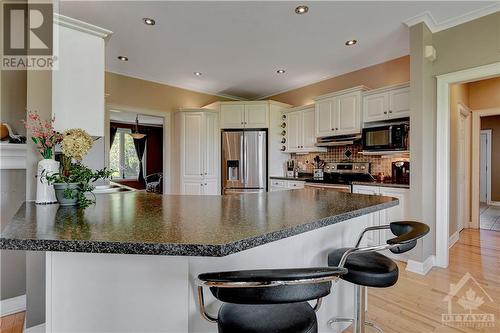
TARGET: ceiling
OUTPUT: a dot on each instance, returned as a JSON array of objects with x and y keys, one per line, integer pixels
[{"x": 239, "y": 46}]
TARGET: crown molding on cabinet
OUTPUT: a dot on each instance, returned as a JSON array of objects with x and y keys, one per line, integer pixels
[
  {"x": 434, "y": 26},
  {"x": 85, "y": 27},
  {"x": 342, "y": 92},
  {"x": 386, "y": 88}
]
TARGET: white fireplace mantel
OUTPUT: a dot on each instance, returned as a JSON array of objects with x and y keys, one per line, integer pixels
[{"x": 12, "y": 156}]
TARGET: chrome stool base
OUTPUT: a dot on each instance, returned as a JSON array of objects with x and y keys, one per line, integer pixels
[{"x": 359, "y": 313}]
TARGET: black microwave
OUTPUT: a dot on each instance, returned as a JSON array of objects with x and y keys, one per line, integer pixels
[{"x": 388, "y": 137}]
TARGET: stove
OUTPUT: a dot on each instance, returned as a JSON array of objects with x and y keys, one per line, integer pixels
[{"x": 341, "y": 175}]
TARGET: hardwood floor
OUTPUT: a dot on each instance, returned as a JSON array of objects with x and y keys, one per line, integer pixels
[
  {"x": 13, "y": 323},
  {"x": 416, "y": 303}
]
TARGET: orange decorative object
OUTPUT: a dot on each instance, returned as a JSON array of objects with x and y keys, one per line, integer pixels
[{"x": 4, "y": 131}]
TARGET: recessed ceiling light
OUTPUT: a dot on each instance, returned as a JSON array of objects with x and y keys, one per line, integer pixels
[
  {"x": 122, "y": 58},
  {"x": 351, "y": 42},
  {"x": 197, "y": 73},
  {"x": 148, "y": 21},
  {"x": 280, "y": 71},
  {"x": 301, "y": 9}
]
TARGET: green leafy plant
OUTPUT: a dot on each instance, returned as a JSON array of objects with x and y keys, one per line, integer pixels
[{"x": 83, "y": 177}]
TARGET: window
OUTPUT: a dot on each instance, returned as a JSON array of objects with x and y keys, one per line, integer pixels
[{"x": 122, "y": 156}]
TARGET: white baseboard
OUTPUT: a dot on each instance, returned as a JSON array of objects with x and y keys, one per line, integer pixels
[
  {"x": 421, "y": 268},
  {"x": 12, "y": 305},
  {"x": 453, "y": 239},
  {"x": 36, "y": 329},
  {"x": 494, "y": 203}
]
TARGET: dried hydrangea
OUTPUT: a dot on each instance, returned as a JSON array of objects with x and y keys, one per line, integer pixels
[{"x": 76, "y": 143}]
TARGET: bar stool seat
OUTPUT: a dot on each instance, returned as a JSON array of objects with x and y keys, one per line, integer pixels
[
  {"x": 276, "y": 318},
  {"x": 370, "y": 269}
]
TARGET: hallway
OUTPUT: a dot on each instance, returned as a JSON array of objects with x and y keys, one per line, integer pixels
[{"x": 489, "y": 218}]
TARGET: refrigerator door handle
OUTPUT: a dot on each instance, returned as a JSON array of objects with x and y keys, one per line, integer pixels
[{"x": 242, "y": 158}]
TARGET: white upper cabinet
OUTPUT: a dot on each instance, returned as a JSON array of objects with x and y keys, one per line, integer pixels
[
  {"x": 243, "y": 114},
  {"x": 386, "y": 103},
  {"x": 257, "y": 115},
  {"x": 301, "y": 136},
  {"x": 232, "y": 115},
  {"x": 78, "y": 82},
  {"x": 339, "y": 113}
]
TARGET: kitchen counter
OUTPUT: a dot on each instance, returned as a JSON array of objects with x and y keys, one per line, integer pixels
[
  {"x": 381, "y": 184},
  {"x": 301, "y": 177},
  {"x": 144, "y": 223}
]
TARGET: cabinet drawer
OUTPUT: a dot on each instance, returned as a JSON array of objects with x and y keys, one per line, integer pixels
[
  {"x": 278, "y": 183},
  {"x": 295, "y": 184}
]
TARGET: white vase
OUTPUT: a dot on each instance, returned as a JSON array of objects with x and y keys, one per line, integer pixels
[{"x": 45, "y": 193}]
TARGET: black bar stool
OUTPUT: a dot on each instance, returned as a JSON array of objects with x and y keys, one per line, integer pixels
[
  {"x": 268, "y": 300},
  {"x": 368, "y": 268}
]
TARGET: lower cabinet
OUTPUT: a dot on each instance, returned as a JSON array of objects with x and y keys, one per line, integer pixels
[
  {"x": 384, "y": 217},
  {"x": 284, "y": 185},
  {"x": 200, "y": 187}
]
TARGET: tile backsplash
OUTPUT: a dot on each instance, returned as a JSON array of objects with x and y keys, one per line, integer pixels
[{"x": 341, "y": 154}]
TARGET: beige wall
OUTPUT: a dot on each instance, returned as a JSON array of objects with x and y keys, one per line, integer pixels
[
  {"x": 484, "y": 94},
  {"x": 13, "y": 101},
  {"x": 459, "y": 94},
  {"x": 132, "y": 92},
  {"x": 385, "y": 74}
]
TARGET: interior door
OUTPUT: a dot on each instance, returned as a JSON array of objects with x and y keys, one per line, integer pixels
[
  {"x": 325, "y": 110},
  {"x": 483, "y": 169},
  {"x": 232, "y": 159},
  {"x": 255, "y": 173},
  {"x": 348, "y": 110},
  {"x": 308, "y": 136},
  {"x": 461, "y": 159}
]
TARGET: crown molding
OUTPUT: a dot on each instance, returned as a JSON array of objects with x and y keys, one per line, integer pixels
[
  {"x": 429, "y": 20},
  {"x": 85, "y": 27}
]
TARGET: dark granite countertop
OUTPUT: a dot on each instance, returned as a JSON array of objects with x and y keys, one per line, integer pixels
[
  {"x": 382, "y": 184},
  {"x": 144, "y": 223}
]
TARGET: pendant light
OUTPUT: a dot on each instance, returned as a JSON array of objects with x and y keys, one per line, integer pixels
[{"x": 135, "y": 134}]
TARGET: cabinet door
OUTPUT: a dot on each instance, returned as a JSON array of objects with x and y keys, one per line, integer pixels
[
  {"x": 372, "y": 237},
  {"x": 211, "y": 144},
  {"x": 232, "y": 115},
  {"x": 256, "y": 116},
  {"x": 210, "y": 187},
  {"x": 324, "y": 111},
  {"x": 399, "y": 103},
  {"x": 294, "y": 131},
  {"x": 190, "y": 187},
  {"x": 192, "y": 137},
  {"x": 375, "y": 107},
  {"x": 348, "y": 116},
  {"x": 393, "y": 214},
  {"x": 308, "y": 136}
]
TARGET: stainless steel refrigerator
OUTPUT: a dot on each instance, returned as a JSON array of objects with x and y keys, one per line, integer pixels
[{"x": 244, "y": 161}]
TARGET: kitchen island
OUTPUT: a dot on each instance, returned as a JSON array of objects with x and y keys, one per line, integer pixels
[{"x": 127, "y": 264}]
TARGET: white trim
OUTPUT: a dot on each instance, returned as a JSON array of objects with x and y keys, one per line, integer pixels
[
  {"x": 494, "y": 203},
  {"x": 421, "y": 268},
  {"x": 386, "y": 88},
  {"x": 427, "y": 18},
  {"x": 12, "y": 156},
  {"x": 443, "y": 150},
  {"x": 489, "y": 137},
  {"x": 475, "y": 177},
  {"x": 69, "y": 22},
  {"x": 453, "y": 238},
  {"x": 184, "y": 87},
  {"x": 36, "y": 329},
  {"x": 342, "y": 92},
  {"x": 12, "y": 305}
]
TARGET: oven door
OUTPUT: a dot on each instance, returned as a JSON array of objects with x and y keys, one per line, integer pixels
[{"x": 334, "y": 187}]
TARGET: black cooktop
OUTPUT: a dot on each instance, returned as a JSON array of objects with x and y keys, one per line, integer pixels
[{"x": 341, "y": 178}]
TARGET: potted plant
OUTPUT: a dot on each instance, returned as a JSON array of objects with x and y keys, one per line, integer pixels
[
  {"x": 74, "y": 179},
  {"x": 45, "y": 138}
]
